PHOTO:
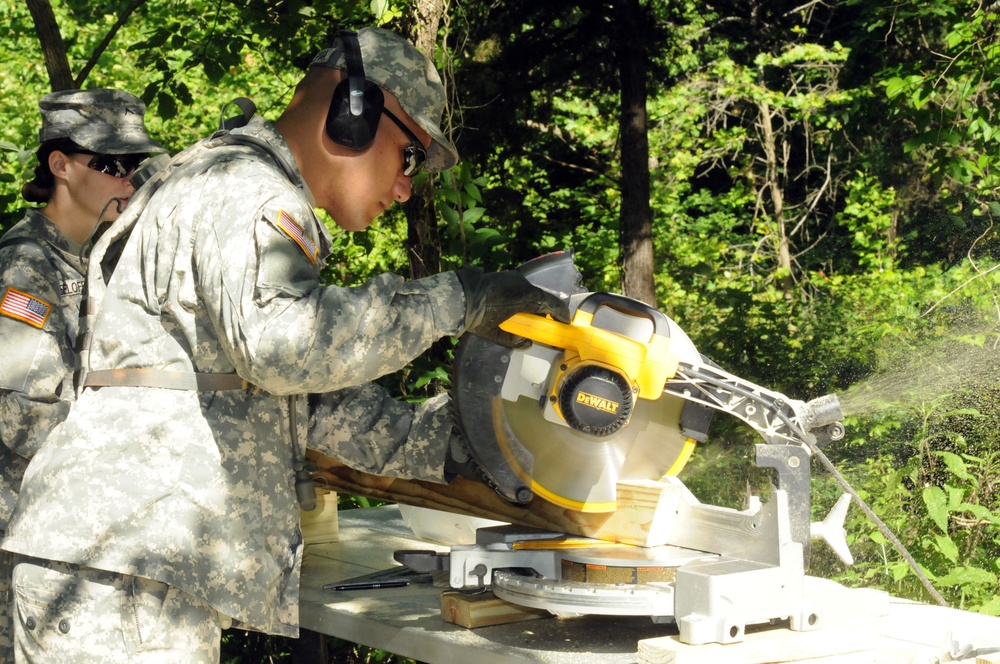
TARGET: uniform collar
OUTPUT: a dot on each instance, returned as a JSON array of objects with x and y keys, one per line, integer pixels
[
  {"x": 261, "y": 128},
  {"x": 37, "y": 225}
]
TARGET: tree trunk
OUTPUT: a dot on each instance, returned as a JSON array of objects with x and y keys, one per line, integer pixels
[
  {"x": 777, "y": 198},
  {"x": 53, "y": 47},
  {"x": 636, "y": 216},
  {"x": 421, "y": 219},
  {"x": 422, "y": 232}
]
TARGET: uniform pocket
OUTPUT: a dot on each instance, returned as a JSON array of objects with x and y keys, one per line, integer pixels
[{"x": 61, "y": 611}]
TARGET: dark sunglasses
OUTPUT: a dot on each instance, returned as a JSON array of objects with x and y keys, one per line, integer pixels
[
  {"x": 116, "y": 165},
  {"x": 414, "y": 154}
]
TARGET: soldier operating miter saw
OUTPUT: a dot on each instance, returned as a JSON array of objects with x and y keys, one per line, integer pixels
[{"x": 616, "y": 397}]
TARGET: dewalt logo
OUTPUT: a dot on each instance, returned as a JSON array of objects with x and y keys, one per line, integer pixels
[{"x": 598, "y": 403}]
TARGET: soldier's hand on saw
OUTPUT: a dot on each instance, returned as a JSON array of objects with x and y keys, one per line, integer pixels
[{"x": 490, "y": 299}]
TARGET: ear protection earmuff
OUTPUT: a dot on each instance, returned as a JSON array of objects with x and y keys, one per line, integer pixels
[{"x": 356, "y": 106}]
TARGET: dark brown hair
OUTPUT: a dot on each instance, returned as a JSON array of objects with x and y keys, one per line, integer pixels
[{"x": 41, "y": 188}]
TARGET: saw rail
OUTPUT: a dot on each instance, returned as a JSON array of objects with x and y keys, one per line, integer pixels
[{"x": 777, "y": 419}]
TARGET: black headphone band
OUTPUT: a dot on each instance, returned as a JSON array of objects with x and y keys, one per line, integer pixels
[
  {"x": 357, "y": 103},
  {"x": 355, "y": 70}
]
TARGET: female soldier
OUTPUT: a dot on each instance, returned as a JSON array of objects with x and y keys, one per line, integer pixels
[{"x": 91, "y": 142}]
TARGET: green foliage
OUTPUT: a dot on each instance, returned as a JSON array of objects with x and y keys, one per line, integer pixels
[
  {"x": 466, "y": 239},
  {"x": 952, "y": 103},
  {"x": 867, "y": 214},
  {"x": 934, "y": 485}
]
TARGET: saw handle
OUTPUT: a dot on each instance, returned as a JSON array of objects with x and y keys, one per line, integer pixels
[
  {"x": 645, "y": 363},
  {"x": 628, "y": 306}
]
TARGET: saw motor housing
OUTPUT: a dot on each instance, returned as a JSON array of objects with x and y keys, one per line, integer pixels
[{"x": 615, "y": 350}]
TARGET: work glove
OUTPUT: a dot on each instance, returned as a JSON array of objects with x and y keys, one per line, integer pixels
[
  {"x": 458, "y": 462},
  {"x": 490, "y": 299}
]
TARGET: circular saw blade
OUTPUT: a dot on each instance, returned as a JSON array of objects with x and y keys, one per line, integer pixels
[{"x": 579, "y": 471}]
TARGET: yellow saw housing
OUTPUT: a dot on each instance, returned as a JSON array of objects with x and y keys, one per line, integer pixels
[
  {"x": 647, "y": 365},
  {"x": 624, "y": 364}
]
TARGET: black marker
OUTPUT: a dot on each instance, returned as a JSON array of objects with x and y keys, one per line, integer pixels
[{"x": 367, "y": 585}]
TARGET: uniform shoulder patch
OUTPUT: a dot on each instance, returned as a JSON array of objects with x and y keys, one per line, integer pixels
[
  {"x": 24, "y": 307},
  {"x": 292, "y": 229}
]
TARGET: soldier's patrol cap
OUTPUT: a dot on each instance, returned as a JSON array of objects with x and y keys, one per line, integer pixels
[
  {"x": 102, "y": 121},
  {"x": 396, "y": 65}
]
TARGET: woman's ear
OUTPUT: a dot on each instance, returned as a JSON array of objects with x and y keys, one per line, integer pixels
[{"x": 58, "y": 163}]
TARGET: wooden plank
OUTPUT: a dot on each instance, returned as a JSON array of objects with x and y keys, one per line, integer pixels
[
  {"x": 484, "y": 610},
  {"x": 643, "y": 516},
  {"x": 631, "y": 523},
  {"x": 991, "y": 658},
  {"x": 766, "y": 646},
  {"x": 320, "y": 526}
]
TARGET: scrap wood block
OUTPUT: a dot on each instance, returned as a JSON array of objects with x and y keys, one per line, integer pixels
[
  {"x": 483, "y": 610},
  {"x": 320, "y": 526},
  {"x": 989, "y": 658}
]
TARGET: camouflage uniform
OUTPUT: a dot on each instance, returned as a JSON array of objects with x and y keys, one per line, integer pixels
[
  {"x": 42, "y": 275},
  {"x": 41, "y": 283},
  {"x": 108, "y": 618},
  {"x": 221, "y": 275},
  {"x": 42, "y": 270}
]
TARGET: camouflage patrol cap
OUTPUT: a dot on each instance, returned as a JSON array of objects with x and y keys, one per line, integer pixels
[
  {"x": 397, "y": 65},
  {"x": 102, "y": 121}
]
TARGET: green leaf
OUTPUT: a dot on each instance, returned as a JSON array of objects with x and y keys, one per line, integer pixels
[
  {"x": 894, "y": 87},
  {"x": 947, "y": 547},
  {"x": 955, "y": 464},
  {"x": 967, "y": 576},
  {"x": 449, "y": 213},
  {"x": 379, "y": 7},
  {"x": 213, "y": 70},
  {"x": 937, "y": 506},
  {"x": 166, "y": 105},
  {"x": 990, "y": 608},
  {"x": 473, "y": 214},
  {"x": 473, "y": 191}
]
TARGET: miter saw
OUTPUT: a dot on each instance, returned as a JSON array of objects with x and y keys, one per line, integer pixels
[{"x": 621, "y": 394}]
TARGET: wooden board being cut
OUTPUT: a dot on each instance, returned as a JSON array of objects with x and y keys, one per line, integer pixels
[
  {"x": 320, "y": 526},
  {"x": 642, "y": 518}
]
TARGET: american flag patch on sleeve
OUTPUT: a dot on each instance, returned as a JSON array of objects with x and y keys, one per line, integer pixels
[
  {"x": 292, "y": 229},
  {"x": 24, "y": 307}
]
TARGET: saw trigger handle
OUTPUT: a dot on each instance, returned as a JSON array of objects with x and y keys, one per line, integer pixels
[{"x": 631, "y": 308}]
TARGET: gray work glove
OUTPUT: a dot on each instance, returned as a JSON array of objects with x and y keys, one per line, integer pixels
[{"x": 490, "y": 299}]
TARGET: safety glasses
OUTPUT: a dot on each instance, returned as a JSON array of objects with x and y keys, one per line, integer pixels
[
  {"x": 116, "y": 165},
  {"x": 414, "y": 154}
]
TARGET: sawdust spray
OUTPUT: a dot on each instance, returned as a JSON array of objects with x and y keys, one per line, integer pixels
[{"x": 966, "y": 359}]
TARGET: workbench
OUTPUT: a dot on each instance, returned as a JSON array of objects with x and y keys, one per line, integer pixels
[{"x": 407, "y": 621}]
